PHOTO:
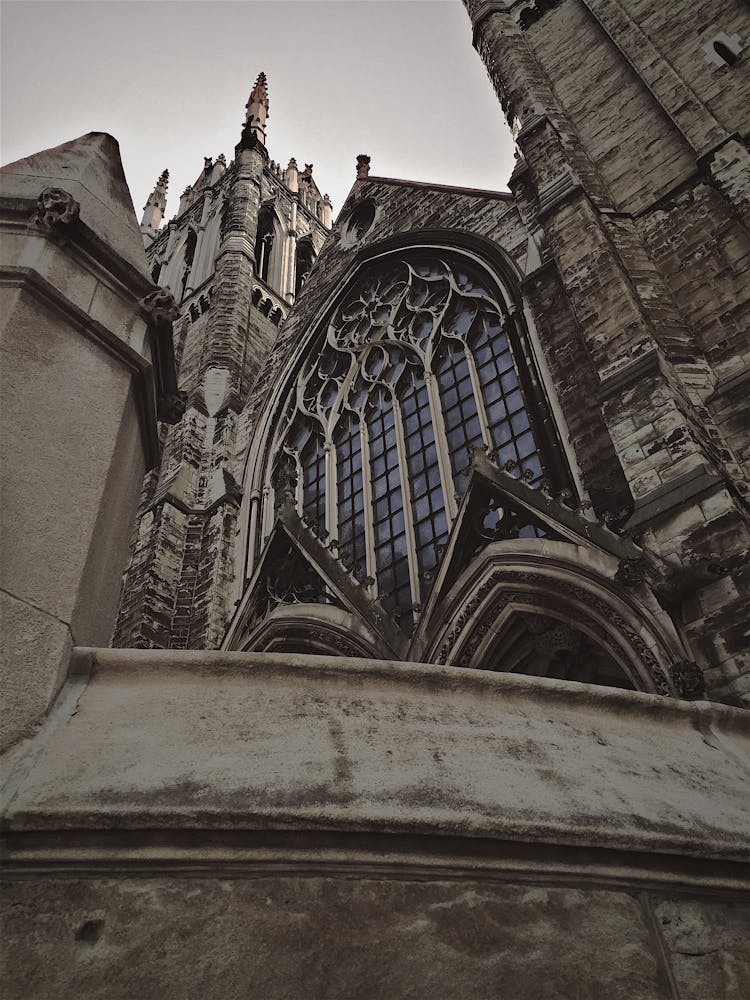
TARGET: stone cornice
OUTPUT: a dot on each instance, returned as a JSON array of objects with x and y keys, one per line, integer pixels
[
  {"x": 632, "y": 371},
  {"x": 730, "y": 385},
  {"x": 668, "y": 497},
  {"x": 16, "y": 213},
  {"x": 393, "y": 714}
]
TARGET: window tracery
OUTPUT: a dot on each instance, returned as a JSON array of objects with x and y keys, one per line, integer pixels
[{"x": 420, "y": 364}]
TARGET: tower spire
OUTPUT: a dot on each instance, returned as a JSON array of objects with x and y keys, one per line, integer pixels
[
  {"x": 155, "y": 207},
  {"x": 257, "y": 109}
]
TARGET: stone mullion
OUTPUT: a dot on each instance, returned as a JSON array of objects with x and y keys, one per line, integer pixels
[
  {"x": 367, "y": 507},
  {"x": 411, "y": 542},
  {"x": 331, "y": 488},
  {"x": 479, "y": 398},
  {"x": 441, "y": 446}
]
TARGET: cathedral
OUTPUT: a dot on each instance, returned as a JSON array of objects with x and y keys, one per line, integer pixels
[{"x": 383, "y": 628}]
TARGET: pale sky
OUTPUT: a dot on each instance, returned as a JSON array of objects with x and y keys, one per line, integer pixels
[{"x": 397, "y": 79}]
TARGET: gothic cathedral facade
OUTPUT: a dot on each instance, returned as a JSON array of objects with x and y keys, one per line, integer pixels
[{"x": 505, "y": 430}]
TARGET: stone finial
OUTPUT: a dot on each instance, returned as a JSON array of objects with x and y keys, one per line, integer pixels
[
  {"x": 156, "y": 206},
  {"x": 291, "y": 175},
  {"x": 208, "y": 163},
  {"x": 257, "y": 109},
  {"x": 259, "y": 93},
  {"x": 687, "y": 678},
  {"x": 56, "y": 207},
  {"x": 306, "y": 174},
  {"x": 284, "y": 481},
  {"x": 221, "y": 159},
  {"x": 363, "y": 166}
]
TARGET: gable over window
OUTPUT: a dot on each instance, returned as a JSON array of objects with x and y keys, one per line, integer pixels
[{"x": 422, "y": 361}]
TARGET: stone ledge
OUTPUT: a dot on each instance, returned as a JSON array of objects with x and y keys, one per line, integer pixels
[
  {"x": 670, "y": 496},
  {"x": 731, "y": 384},
  {"x": 199, "y": 744},
  {"x": 631, "y": 371}
]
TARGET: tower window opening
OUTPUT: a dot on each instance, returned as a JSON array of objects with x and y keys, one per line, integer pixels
[
  {"x": 190, "y": 244},
  {"x": 305, "y": 255},
  {"x": 268, "y": 246}
]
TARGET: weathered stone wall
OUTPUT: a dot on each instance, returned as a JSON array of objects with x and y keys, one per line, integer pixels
[
  {"x": 259, "y": 825},
  {"x": 266, "y": 936},
  {"x": 82, "y": 371},
  {"x": 631, "y": 176}
]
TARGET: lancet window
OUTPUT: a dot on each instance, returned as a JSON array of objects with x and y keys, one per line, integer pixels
[
  {"x": 421, "y": 362},
  {"x": 268, "y": 246}
]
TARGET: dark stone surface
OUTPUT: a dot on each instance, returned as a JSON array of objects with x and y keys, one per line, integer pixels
[
  {"x": 323, "y": 938},
  {"x": 709, "y": 947}
]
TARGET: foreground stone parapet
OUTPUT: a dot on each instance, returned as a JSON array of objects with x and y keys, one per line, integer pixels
[
  {"x": 84, "y": 369},
  {"x": 466, "y": 817}
]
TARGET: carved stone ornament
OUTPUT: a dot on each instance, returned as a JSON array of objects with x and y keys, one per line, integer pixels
[
  {"x": 285, "y": 480},
  {"x": 161, "y": 307},
  {"x": 631, "y": 572},
  {"x": 170, "y": 409},
  {"x": 56, "y": 207},
  {"x": 687, "y": 678}
]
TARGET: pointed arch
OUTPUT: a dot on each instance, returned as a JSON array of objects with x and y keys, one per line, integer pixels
[
  {"x": 269, "y": 245},
  {"x": 389, "y": 441},
  {"x": 556, "y": 583},
  {"x": 303, "y": 261}
]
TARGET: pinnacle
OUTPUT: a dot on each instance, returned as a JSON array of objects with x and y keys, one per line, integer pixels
[{"x": 259, "y": 93}]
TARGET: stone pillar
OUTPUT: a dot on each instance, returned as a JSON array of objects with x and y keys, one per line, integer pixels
[{"x": 86, "y": 365}]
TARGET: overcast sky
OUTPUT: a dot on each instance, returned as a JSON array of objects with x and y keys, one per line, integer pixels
[{"x": 397, "y": 79}]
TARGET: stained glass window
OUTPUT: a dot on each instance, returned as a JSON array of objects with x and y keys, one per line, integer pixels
[
  {"x": 313, "y": 461},
  {"x": 420, "y": 364}
]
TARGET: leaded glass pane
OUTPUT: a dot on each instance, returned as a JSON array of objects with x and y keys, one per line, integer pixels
[
  {"x": 504, "y": 403},
  {"x": 460, "y": 413},
  {"x": 351, "y": 496},
  {"x": 313, "y": 461},
  {"x": 428, "y": 502}
]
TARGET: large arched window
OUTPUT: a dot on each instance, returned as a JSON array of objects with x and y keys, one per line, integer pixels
[{"x": 421, "y": 362}]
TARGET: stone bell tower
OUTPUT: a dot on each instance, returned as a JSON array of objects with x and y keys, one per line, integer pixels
[{"x": 244, "y": 237}]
